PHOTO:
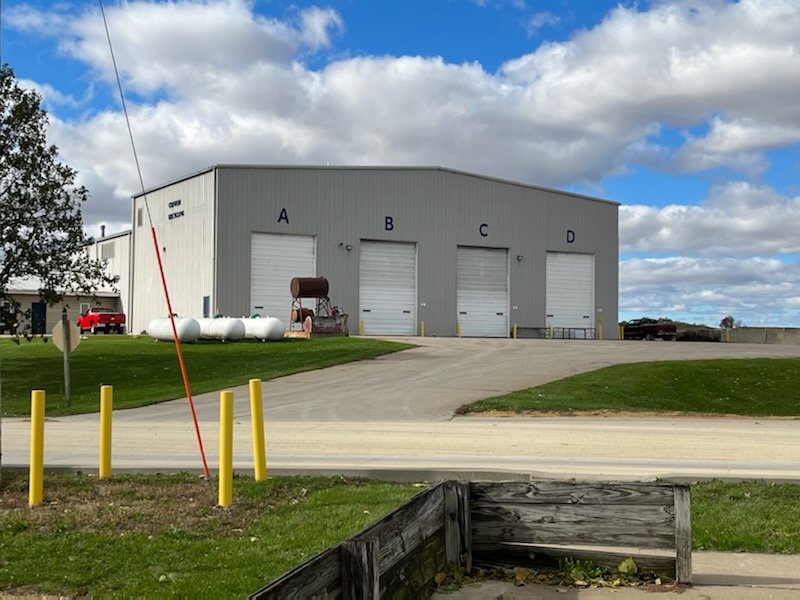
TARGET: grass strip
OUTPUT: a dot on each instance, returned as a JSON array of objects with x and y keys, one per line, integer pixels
[
  {"x": 162, "y": 536},
  {"x": 143, "y": 371},
  {"x": 752, "y": 387}
]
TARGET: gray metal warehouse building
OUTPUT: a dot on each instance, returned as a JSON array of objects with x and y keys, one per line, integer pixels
[{"x": 399, "y": 245}]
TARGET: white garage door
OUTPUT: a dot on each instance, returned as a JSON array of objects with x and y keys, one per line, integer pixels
[
  {"x": 387, "y": 290},
  {"x": 482, "y": 291},
  {"x": 570, "y": 290},
  {"x": 275, "y": 259}
]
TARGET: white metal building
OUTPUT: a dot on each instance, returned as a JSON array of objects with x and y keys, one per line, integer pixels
[{"x": 399, "y": 245}]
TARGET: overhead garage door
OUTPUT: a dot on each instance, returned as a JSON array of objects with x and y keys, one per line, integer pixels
[
  {"x": 482, "y": 282},
  {"x": 275, "y": 259},
  {"x": 570, "y": 290},
  {"x": 387, "y": 290}
]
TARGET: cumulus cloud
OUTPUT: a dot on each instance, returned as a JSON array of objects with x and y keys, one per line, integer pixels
[
  {"x": 757, "y": 291},
  {"x": 736, "y": 220}
]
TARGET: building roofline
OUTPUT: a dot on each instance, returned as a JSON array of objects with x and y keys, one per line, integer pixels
[{"x": 440, "y": 168}]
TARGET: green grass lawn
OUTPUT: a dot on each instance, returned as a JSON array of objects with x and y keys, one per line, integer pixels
[
  {"x": 143, "y": 371},
  {"x": 162, "y": 536},
  {"x": 757, "y": 387}
]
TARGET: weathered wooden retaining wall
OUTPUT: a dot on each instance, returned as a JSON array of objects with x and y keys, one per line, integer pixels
[{"x": 507, "y": 524}]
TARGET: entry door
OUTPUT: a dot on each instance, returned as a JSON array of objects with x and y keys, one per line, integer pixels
[
  {"x": 275, "y": 259},
  {"x": 570, "y": 290},
  {"x": 482, "y": 283},
  {"x": 387, "y": 289},
  {"x": 38, "y": 318}
]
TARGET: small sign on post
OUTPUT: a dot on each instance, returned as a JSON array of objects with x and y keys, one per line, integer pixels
[{"x": 66, "y": 337}]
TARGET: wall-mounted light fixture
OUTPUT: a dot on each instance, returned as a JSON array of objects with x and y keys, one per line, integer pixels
[
  {"x": 519, "y": 257},
  {"x": 349, "y": 247}
]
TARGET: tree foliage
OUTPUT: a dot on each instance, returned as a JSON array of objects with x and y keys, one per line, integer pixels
[{"x": 41, "y": 226}]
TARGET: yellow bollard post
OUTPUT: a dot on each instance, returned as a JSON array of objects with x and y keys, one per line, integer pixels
[
  {"x": 257, "y": 418},
  {"x": 422, "y": 328},
  {"x": 225, "y": 449},
  {"x": 361, "y": 329},
  {"x": 514, "y": 334},
  {"x": 458, "y": 329},
  {"x": 621, "y": 332},
  {"x": 727, "y": 335},
  {"x": 36, "y": 475},
  {"x": 106, "y": 407},
  {"x": 549, "y": 331}
]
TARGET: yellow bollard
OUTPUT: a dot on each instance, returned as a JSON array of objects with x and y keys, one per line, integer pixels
[
  {"x": 621, "y": 332},
  {"x": 514, "y": 333},
  {"x": 361, "y": 329},
  {"x": 36, "y": 476},
  {"x": 422, "y": 328},
  {"x": 549, "y": 332},
  {"x": 458, "y": 329},
  {"x": 727, "y": 335},
  {"x": 225, "y": 449},
  {"x": 106, "y": 406},
  {"x": 257, "y": 418}
]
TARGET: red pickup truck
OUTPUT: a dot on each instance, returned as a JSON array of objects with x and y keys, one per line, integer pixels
[{"x": 101, "y": 319}]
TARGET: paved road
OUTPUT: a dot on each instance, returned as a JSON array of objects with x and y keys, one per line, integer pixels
[{"x": 396, "y": 414}]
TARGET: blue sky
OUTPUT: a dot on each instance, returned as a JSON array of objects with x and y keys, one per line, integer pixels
[{"x": 687, "y": 113}]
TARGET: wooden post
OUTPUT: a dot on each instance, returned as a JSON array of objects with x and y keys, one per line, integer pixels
[
  {"x": 683, "y": 534},
  {"x": 360, "y": 572},
  {"x": 457, "y": 525}
]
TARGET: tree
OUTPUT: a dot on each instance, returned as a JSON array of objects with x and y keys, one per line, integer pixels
[
  {"x": 727, "y": 322},
  {"x": 41, "y": 226}
]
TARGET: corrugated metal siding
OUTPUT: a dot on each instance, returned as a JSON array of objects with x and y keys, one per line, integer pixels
[
  {"x": 482, "y": 303},
  {"x": 436, "y": 209},
  {"x": 185, "y": 233},
  {"x": 388, "y": 288}
]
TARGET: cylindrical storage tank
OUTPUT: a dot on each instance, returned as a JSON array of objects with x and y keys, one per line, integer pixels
[
  {"x": 161, "y": 329},
  {"x": 255, "y": 328},
  {"x": 224, "y": 328},
  {"x": 299, "y": 315},
  {"x": 205, "y": 327},
  {"x": 309, "y": 287},
  {"x": 275, "y": 329}
]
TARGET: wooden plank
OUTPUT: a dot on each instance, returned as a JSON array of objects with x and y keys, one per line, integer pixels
[
  {"x": 403, "y": 530},
  {"x": 683, "y": 533},
  {"x": 413, "y": 576},
  {"x": 360, "y": 575},
  {"x": 318, "y": 577},
  {"x": 572, "y": 492},
  {"x": 457, "y": 525},
  {"x": 489, "y": 555},
  {"x": 594, "y": 525}
]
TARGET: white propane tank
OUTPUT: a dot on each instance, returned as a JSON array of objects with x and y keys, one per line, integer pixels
[
  {"x": 268, "y": 329},
  {"x": 221, "y": 328},
  {"x": 161, "y": 329},
  {"x": 255, "y": 328},
  {"x": 275, "y": 329}
]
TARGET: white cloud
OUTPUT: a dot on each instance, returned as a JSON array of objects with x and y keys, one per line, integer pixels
[
  {"x": 539, "y": 20},
  {"x": 756, "y": 291},
  {"x": 737, "y": 220}
]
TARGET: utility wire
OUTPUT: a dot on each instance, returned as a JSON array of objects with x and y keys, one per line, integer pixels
[{"x": 155, "y": 245}]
